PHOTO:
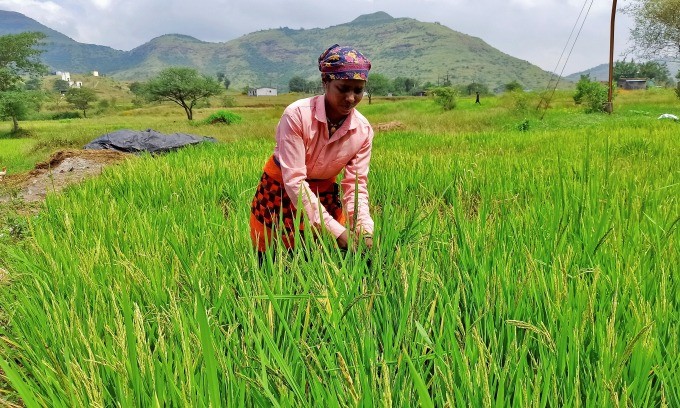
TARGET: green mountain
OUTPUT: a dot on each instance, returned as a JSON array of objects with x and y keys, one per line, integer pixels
[
  {"x": 396, "y": 47},
  {"x": 61, "y": 52},
  {"x": 598, "y": 73}
]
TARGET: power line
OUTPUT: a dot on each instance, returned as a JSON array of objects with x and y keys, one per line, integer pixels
[{"x": 546, "y": 101}]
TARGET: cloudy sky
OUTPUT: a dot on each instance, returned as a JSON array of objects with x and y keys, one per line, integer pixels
[{"x": 534, "y": 30}]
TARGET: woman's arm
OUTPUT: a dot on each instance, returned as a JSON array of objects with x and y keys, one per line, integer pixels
[{"x": 291, "y": 147}]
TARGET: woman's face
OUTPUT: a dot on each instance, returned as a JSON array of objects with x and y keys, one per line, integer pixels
[{"x": 342, "y": 95}]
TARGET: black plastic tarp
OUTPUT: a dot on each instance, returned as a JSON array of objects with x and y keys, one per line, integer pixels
[{"x": 136, "y": 141}]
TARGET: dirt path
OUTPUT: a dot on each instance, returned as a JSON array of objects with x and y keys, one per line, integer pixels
[{"x": 62, "y": 169}]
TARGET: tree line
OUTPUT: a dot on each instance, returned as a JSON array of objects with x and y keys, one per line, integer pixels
[
  {"x": 21, "y": 75},
  {"x": 381, "y": 85}
]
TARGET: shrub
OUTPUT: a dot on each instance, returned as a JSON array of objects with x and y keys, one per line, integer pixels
[
  {"x": 202, "y": 103},
  {"x": 523, "y": 126},
  {"x": 66, "y": 115},
  {"x": 521, "y": 102},
  {"x": 677, "y": 90},
  {"x": 228, "y": 101},
  {"x": 593, "y": 95},
  {"x": 513, "y": 86},
  {"x": 222, "y": 116},
  {"x": 445, "y": 97}
]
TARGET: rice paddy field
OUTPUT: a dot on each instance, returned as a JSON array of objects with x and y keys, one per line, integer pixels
[{"x": 518, "y": 262}]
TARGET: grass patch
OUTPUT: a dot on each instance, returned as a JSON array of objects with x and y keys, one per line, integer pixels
[{"x": 510, "y": 268}]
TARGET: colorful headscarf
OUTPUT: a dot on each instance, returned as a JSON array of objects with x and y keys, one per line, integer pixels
[{"x": 342, "y": 62}]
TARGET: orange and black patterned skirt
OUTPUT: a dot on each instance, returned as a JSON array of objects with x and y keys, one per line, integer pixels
[{"x": 272, "y": 209}]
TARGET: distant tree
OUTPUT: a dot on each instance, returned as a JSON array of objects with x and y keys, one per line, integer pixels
[
  {"x": 81, "y": 98},
  {"x": 444, "y": 81},
  {"x": 403, "y": 85},
  {"x": 183, "y": 86},
  {"x": 625, "y": 69},
  {"x": 297, "y": 84},
  {"x": 657, "y": 27},
  {"x": 377, "y": 84},
  {"x": 653, "y": 70},
  {"x": 513, "y": 86},
  {"x": 61, "y": 86},
  {"x": 314, "y": 86},
  {"x": 475, "y": 87},
  {"x": 222, "y": 79},
  {"x": 137, "y": 88},
  {"x": 18, "y": 56},
  {"x": 656, "y": 71},
  {"x": 445, "y": 96},
  {"x": 593, "y": 95},
  {"x": 17, "y": 104},
  {"x": 33, "y": 84}
]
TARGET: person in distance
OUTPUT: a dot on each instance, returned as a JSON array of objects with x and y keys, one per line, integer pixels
[{"x": 316, "y": 139}]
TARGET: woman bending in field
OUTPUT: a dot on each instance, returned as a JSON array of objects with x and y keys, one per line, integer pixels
[{"x": 316, "y": 139}]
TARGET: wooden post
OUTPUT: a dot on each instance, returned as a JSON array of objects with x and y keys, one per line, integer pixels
[{"x": 609, "y": 107}]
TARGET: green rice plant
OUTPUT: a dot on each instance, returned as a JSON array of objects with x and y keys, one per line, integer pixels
[{"x": 508, "y": 269}]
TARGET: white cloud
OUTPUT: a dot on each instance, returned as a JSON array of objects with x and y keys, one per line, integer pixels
[
  {"x": 527, "y": 3},
  {"x": 101, "y": 4},
  {"x": 28, "y": 7}
]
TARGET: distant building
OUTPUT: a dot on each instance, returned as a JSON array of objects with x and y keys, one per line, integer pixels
[
  {"x": 95, "y": 73},
  {"x": 262, "y": 92},
  {"x": 65, "y": 76},
  {"x": 632, "y": 84}
]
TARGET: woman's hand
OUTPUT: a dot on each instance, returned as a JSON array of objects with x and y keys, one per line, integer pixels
[{"x": 342, "y": 240}]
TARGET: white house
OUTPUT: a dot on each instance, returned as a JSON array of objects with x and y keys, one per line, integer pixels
[
  {"x": 95, "y": 73},
  {"x": 66, "y": 76},
  {"x": 262, "y": 92}
]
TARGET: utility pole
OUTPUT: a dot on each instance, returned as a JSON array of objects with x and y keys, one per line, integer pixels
[{"x": 609, "y": 107}]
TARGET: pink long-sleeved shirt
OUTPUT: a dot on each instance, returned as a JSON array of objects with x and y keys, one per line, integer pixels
[{"x": 305, "y": 151}]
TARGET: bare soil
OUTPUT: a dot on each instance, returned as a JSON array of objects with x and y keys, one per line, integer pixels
[{"x": 62, "y": 169}]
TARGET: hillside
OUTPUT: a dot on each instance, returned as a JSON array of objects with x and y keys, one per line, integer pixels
[
  {"x": 396, "y": 46},
  {"x": 62, "y": 52},
  {"x": 598, "y": 73}
]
